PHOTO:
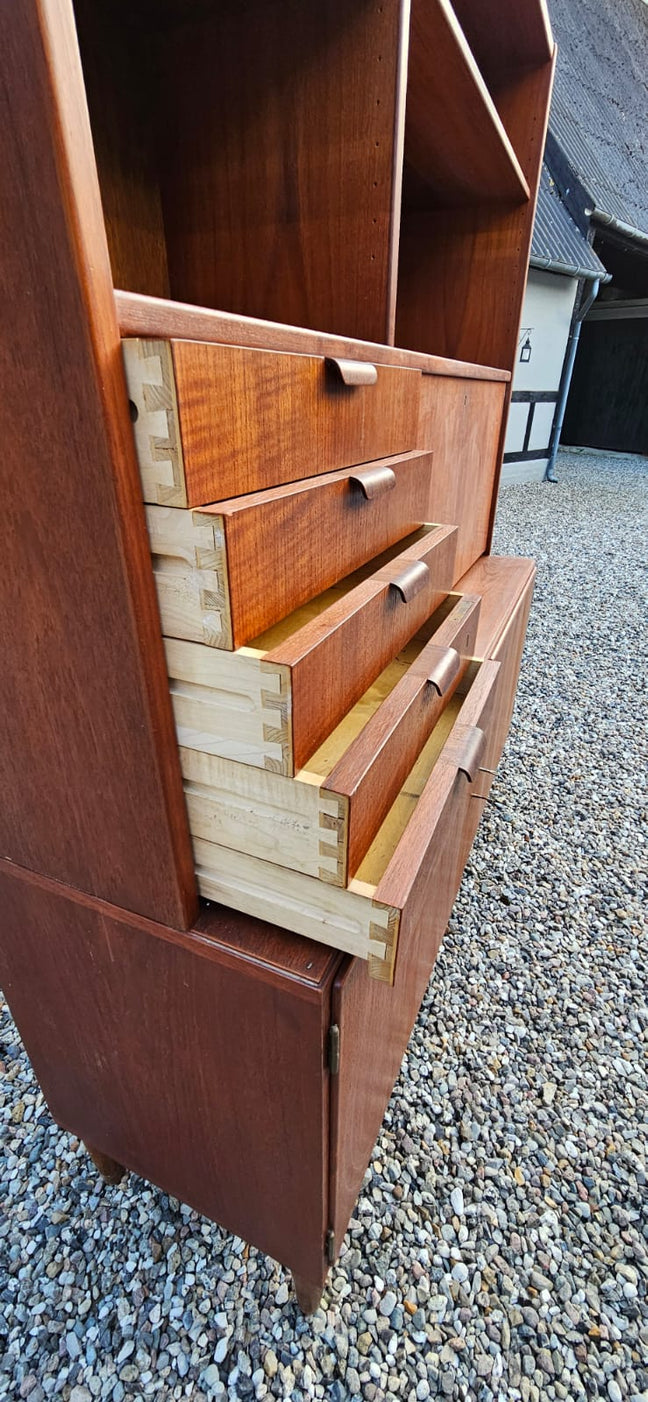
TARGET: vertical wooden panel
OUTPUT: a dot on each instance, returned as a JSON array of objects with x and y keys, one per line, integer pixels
[
  {"x": 463, "y": 271},
  {"x": 118, "y": 73},
  {"x": 196, "y": 1061},
  {"x": 461, "y": 423},
  {"x": 277, "y": 138},
  {"x": 90, "y": 780}
]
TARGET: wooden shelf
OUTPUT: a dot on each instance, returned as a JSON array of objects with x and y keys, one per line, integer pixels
[
  {"x": 506, "y": 36},
  {"x": 454, "y": 139}
]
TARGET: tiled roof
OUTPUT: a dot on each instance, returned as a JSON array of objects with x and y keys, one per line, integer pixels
[
  {"x": 599, "y": 114},
  {"x": 556, "y": 239}
]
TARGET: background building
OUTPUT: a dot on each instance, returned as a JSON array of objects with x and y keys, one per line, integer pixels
[{"x": 592, "y": 222}]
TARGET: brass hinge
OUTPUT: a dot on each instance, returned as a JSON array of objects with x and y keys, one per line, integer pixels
[
  {"x": 333, "y": 1049},
  {"x": 329, "y": 1246}
]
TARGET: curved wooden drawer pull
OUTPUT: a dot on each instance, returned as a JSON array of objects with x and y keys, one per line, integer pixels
[
  {"x": 445, "y": 667},
  {"x": 374, "y": 482},
  {"x": 472, "y": 749},
  {"x": 411, "y": 580},
  {"x": 354, "y": 372}
]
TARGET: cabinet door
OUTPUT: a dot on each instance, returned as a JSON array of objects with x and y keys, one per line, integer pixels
[{"x": 195, "y": 1060}]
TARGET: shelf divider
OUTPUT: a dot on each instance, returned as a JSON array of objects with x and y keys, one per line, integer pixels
[{"x": 454, "y": 138}]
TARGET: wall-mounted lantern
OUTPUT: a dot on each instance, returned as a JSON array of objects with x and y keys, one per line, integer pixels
[{"x": 525, "y": 351}]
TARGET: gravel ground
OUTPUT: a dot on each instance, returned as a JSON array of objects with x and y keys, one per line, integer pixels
[{"x": 499, "y": 1247}]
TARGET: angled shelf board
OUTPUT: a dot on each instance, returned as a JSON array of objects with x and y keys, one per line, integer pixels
[
  {"x": 506, "y": 36},
  {"x": 454, "y": 139}
]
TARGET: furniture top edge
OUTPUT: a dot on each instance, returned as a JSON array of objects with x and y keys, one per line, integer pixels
[{"x": 156, "y": 318}]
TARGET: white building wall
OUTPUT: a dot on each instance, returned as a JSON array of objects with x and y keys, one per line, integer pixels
[{"x": 546, "y": 319}]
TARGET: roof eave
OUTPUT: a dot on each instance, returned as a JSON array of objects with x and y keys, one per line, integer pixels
[
  {"x": 553, "y": 265},
  {"x": 618, "y": 229}
]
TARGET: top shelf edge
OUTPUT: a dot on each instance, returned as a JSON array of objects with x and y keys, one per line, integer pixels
[{"x": 157, "y": 318}]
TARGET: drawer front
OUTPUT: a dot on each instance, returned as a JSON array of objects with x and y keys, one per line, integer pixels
[
  {"x": 335, "y": 658},
  {"x": 372, "y": 770},
  {"x": 274, "y": 708},
  {"x": 227, "y": 572},
  {"x": 216, "y": 421}
]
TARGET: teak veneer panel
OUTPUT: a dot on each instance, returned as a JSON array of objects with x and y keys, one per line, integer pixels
[
  {"x": 220, "y": 421},
  {"x": 463, "y": 420},
  {"x": 280, "y": 176},
  {"x": 454, "y": 138},
  {"x": 506, "y": 35},
  {"x": 500, "y": 581},
  {"x": 462, "y": 271},
  {"x": 374, "y": 767},
  {"x": 227, "y": 572},
  {"x": 120, "y": 88},
  {"x": 91, "y": 785},
  {"x": 196, "y": 1060},
  {"x": 272, "y": 704}
]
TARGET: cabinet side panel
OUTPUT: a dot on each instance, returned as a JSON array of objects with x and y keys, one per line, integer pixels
[
  {"x": 90, "y": 780},
  {"x": 200, "y": 1072},
  {"x": 461, "y": 422}
]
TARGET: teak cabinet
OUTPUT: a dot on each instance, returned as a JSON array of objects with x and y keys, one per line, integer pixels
[{"x": 262, "y": 269}]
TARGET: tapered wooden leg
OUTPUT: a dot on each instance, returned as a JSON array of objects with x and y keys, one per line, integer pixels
[
  {"x": 308, "y": 1292},
  {"x": 111, "y": 1171}
]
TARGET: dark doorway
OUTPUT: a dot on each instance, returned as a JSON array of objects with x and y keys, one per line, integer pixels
[{"x": 608, "y": 398}]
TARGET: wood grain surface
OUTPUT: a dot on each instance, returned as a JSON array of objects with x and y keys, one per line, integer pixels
[
  {"x": 120, "y": 88},
  {"x": 155, "y": 318},
  {"x": 463, "y": 270},
  {"x": 213, "y": 1086},
  {"x": 373, "y": 768},
  {"x": 251, "y": 419},
  {"x": 227, "y": 572},
  {"x": 333, "y": 659},
  {"x": 506, "y": 37},
  {"x": 273, "y": 703},
  {"x": 278, "y": 127},
  {"x": 454, "y": 139},
  {"x": 90, "y": 776},
  {"x": 462, "y": 422},
  {"x": 500, "y": 581}
]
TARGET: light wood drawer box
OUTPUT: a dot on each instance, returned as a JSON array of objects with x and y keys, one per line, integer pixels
[
  {"x": 415, "y": 862},
  {"x": 273, "y": 703},
  {"x": 216, "y": 421},
  {"x": 417, "y": 855},
  {"x": 226, "y": 572},
  {"x": 322, "y": 821}
]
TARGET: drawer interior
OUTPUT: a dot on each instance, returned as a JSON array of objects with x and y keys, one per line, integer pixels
[
  {"x": 381, "y": 850},
  {"x": 287, "y": 627},
  {"x": 330, "y": 752},
  {"x": 383, "y": 847}
]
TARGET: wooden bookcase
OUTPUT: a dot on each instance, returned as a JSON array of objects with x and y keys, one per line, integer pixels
[{"x": 261, "y": 263}]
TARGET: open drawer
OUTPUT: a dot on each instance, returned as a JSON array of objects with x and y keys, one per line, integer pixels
[
  {"x": 273, "y": 703},
  {"x": 225, "y": 573},
  {"x": 400, "y": 870},
  {"x": 214, "y": 421},
  {"x": 322, "y": 821}
]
